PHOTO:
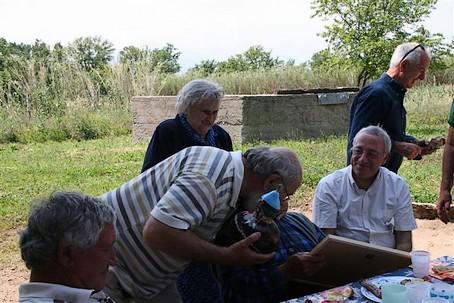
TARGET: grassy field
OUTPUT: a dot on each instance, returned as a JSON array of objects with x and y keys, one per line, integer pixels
[{"x": 97, "y": 166}]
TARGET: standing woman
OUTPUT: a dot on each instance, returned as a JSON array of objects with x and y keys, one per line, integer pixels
[{"x": 197, "y": 108}]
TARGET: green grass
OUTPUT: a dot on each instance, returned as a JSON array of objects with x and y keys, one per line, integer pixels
[
  {"x": 36, "y": 169},
  {"x": 97, "y": 166}
]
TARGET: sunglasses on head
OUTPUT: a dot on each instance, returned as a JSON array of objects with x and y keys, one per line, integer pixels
[{"x": 410, "y": 51}]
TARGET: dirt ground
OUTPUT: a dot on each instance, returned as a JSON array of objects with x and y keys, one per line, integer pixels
[{"x": 431, "y": 235}]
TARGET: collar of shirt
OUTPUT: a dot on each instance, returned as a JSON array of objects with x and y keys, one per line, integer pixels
[
  {"x": 393, "y": 83},
  {"x": 238, "y": 173},
  {"x": 58, "y": 292},
  {"x": 353, "y": 182}
]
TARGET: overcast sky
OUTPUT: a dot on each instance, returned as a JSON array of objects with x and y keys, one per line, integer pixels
[{"x": 200, "y": 29}]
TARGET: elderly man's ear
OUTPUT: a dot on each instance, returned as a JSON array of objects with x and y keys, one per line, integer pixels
[
  {"x": 385, "y": 159},
  {"x": 65, "y": 254}
]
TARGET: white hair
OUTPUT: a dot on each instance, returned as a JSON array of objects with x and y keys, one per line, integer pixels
[
  {"x": 265, "y": 161},
  {"x": 197, "y": 91},
  {"x": 410, "y": 51},
  {"x": 375, "y": 130}
]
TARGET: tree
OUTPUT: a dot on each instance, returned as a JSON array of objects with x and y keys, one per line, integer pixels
[
  {"x": 40, "y": 50},
  {"x": 205, "y": 67},
  {"x": 133, "y": 54},
  {"x": 254, "y": 58},
  {"x": 365, "y": 32},
  {"x": 165, "y": 59},
  {"x": 91, "y": 52}
]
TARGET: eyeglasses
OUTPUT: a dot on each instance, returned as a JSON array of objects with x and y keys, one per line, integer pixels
[
  {"x": 370, "y": 154},
  {"x": 284, "y": 186},
  {"x": 410, "y": 51}
]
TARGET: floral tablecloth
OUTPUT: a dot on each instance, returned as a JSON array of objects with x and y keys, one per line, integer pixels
[{"x": 358, "y": 297}]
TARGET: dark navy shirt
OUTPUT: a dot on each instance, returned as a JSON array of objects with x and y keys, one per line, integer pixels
[
  {"x": 264, "y": 282},
  {"x": 380, "y": 103},
  {"x": 170, "y": 137}
]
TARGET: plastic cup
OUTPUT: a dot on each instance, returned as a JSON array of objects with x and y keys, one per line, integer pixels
[
  {"x": 394, "y": 293},
  {"x": 420, "y": 261},
  {"x": 418, "y": 291}
]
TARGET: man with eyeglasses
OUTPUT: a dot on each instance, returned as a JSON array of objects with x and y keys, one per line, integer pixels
[
  {"x": 276, "y": 280},
  {"x": 169, "y": 215},
  {"x": 365, "y": 201},
  {"x": 382, "y": 103}
]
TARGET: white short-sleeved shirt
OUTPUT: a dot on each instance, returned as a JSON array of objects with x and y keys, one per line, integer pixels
[
  {"x": 196, "y": 189},
  {"x": 366, "y": 215},
  {"x": 36, "y": 292}
]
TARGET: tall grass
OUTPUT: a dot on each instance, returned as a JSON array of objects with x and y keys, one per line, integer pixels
[{"x": 56, "y": 101}]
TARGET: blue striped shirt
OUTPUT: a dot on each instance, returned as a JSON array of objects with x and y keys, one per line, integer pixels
[{"x": 195, "y": 189}]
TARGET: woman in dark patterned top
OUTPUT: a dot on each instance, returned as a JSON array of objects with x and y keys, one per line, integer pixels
[{"x": 197, "y": 108}]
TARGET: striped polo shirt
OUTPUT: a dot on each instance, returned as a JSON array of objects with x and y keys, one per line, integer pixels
[{"x": 196, "y": 189}]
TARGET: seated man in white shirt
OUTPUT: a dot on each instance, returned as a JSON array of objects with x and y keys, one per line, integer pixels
[
  {"x": 365, "y": 201},
  {"x": 68, "y": 246}
]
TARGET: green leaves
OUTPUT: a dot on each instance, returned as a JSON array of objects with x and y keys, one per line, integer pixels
[
  {"x": 163, "y": 60},
  {"x": 91, "y": 52},
  {"x": 365, "y": 32},
  {"x": 255, "y": 58}
]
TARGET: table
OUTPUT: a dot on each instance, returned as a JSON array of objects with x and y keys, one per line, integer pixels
[{"x": 358, "y": 297}]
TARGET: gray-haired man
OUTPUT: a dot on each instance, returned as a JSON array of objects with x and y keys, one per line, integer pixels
[
  {"x": 168, "y": 215},
  {"x": 68, "y": 246},
  {"x": 366, "y": 201},
  {"x": 382, "y": 103}
]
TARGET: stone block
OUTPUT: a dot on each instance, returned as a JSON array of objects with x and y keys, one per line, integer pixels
[{"x": 258, "y": 117}]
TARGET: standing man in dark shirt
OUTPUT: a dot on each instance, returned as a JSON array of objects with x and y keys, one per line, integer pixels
[{"x": 382, "y": 103}]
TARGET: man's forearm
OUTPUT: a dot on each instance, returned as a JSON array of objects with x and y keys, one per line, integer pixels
[
  {"x": 403, "y": 240},
  {"x": 406, "y": 149},
  {"x": 186, "y": 245},
  {"x": 448, "y": 163},
  {"x": 181, "y": 243}
]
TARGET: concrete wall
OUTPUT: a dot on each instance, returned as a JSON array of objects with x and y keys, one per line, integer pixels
[{"x": 258, "y": 117}]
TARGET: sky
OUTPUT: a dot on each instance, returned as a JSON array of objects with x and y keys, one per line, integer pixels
[{"x": 199, "y": 29}]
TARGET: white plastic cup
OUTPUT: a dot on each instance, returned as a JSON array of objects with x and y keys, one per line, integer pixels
[
  {"x": 418, "y": 291},
  {"x": 420, "y": 261}
]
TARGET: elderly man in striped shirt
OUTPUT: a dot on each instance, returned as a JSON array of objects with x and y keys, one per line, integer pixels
[{"x": 168, "y": 215}]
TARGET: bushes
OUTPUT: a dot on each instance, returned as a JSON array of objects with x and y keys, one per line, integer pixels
[{"x": 78, "y": 123}]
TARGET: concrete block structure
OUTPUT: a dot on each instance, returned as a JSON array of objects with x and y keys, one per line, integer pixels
[{"x": 248, "y": 118}]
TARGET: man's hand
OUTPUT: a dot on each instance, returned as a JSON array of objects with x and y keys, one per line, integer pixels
[
  {"x": 429, "y": 147},
  {"x": 443, "y": 205},
  {"x": 187, "y": 245},
  {"x": 408, "y": 150},
  {"x": 301, "y": 266},
  {"x": 241, "y": 254}
]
